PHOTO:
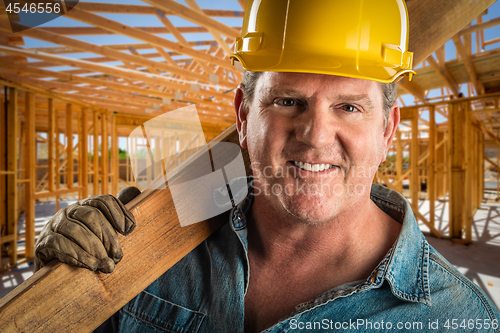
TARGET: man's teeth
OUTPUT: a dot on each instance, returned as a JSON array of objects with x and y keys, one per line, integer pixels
[{"x": 312, "y": 167}]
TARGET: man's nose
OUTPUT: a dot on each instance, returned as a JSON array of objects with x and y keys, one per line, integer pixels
[{"x": 316, "y": 127}]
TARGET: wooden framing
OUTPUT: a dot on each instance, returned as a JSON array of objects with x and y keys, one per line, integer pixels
[{"x": 122, "y": 97}]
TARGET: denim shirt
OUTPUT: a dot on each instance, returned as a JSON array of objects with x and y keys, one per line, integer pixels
[{"x": 412, "y": 289}]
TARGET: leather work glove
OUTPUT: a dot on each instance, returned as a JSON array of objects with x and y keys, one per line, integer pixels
[{"x": 84, "y": 233}]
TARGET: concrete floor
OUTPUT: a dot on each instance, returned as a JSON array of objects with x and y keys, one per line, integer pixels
[{"x": 479, "y": 261}]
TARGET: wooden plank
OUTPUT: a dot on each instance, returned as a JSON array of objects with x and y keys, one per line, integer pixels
[
  {"x": 12, "y": 200},
  {"x": 60, "y": 290},
  {"x": 57, "y": 192},
  {"x": 30, "y": 174},
  {"x": 69, "y": 145},
  {"x": 428, "y": 29}
]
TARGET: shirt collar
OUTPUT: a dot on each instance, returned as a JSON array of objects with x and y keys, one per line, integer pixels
[{"x": 405, "y": 266}]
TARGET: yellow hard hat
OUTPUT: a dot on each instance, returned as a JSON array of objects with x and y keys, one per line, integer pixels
[{"x": 364, "y": 39}]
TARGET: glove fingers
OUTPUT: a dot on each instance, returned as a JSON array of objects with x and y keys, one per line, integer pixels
[
  {"x": 127, "y": 194},
  {"x": 87, "y": 227},
  {"x": 116, "y": 212},
  {"x": 56, "y": 246}
]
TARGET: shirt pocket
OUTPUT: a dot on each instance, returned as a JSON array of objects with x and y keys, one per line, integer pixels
[{"x": 148, "y": 313}]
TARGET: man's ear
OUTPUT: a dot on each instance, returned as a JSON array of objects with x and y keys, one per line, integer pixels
[
  {"x": 241, "y": 115},
  {"x": 391, "y": 127}
]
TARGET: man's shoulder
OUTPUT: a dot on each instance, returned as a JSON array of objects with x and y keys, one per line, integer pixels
[{"x": 454, "y": 294}]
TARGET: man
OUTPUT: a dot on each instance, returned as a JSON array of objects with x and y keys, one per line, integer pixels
[{"x": 314, "y": 246}]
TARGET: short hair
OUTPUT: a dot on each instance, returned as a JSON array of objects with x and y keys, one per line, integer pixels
[{"x": 389, "y": 92}]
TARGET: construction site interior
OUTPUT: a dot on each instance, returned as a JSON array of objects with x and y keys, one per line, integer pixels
[{"x": 72, "y": 90}]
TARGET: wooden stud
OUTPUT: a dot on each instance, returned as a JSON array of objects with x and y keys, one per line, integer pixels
[
  {"x": 414, "y": 157},
  {"x": 468, "y": 148},
  {"x": 58, "y": 158},
  {"x": 114, "y": 156},
  {"x": 69, "y": 145},
  {"x": 3, "y": 167},
  {"x": 104, "y": 153},
  {"x": 51, "y": 145},
  {"x": 84, "y": 153},
  {"x": 457, "y": 170},
  {"x": 431, "y": 184},
  {"x": 30, "y": 174},
  {"x": 12, "y": 199},
  {"x": 95, "y": 176}
]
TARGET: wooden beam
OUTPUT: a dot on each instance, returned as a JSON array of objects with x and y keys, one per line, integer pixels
[
  {"x": 194, "y": 16},
  {"x": 469, "y": 66},
  {"x": 122, "y": 29},
  {"x": 216, "y": 34},
  {"x": 115, "y": 8},
  {"x": 67, "y": 288},
  {"x": 93, "y": 67},
  {"x": 111, "y": 53},
  {"x": 29, "y": 174},
  {"x": 413, "y": 89},
  {"x": 96, "y": 31},
  {"x": 480, "y": 26},
  {"x": 445, "y": 74}
]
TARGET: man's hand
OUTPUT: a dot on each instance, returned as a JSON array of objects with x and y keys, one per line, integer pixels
[{"x": 83, "y": 234}]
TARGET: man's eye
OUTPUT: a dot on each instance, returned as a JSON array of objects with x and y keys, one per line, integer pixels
[
  {"x": 349, "y": 108},
  {"x": 286, "y": 102}
]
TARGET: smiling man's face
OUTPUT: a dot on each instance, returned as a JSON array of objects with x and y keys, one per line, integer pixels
[{"x": 315, "y": 142}]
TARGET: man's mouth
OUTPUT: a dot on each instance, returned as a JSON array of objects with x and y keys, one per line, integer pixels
[{"x": 312, "y": 167}]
